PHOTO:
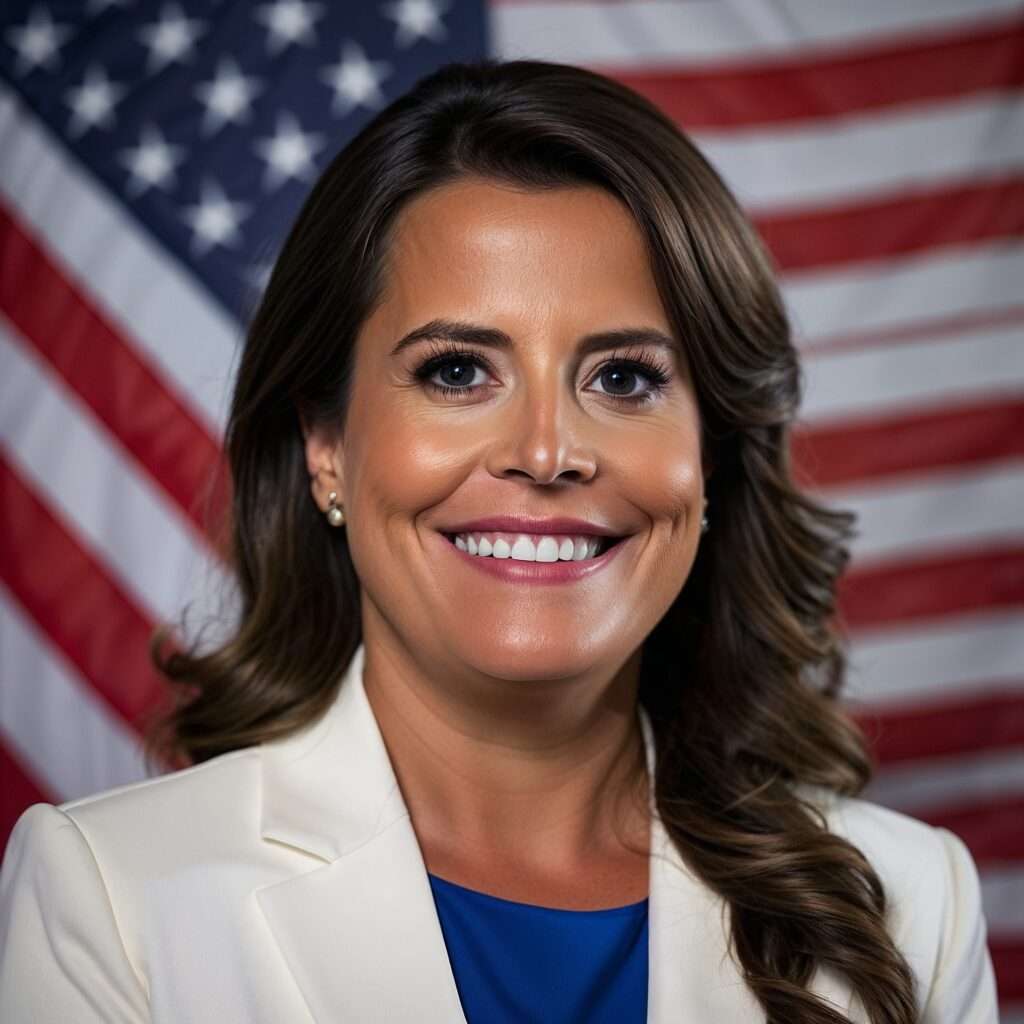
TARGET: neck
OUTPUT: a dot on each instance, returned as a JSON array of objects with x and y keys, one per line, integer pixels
[{"x": 548, "y": 775}]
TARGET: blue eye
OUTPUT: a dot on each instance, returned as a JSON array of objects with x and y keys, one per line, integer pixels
[
  {"x": 462, "y": 369},
  {"x": 631, "y": 369},
  {"x": 460, "y": 366}
]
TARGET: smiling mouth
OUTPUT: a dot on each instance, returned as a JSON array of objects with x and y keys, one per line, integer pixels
[{"x": 524, "y": 547}]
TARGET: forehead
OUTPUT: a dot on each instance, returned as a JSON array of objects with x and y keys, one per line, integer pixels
[{"x": 477, "y": 248}]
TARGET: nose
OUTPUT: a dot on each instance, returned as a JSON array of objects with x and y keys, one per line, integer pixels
[{"x": 543, "y": 436}]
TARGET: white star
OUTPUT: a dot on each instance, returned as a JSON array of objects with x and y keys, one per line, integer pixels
[
  {"x": 214, "y": 219},
  {"x": 289, "y": 21},
  {"x": 227, "y": 96},
  {"x": 92, "y": 103},
  {"x": 289, "y": 152},
  {"x": 172, "y": 38},
  {"x": 417, "y": 19},
  {"x": 355, "y": 80},
  {"x": 152, "y": 163},
  {"x": 38, "y": 41}
]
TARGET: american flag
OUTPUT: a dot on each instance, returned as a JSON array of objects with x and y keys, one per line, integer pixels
[{"x": 153, "y": 154}]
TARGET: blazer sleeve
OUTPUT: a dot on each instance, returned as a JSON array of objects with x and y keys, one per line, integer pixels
[
  {"x": 61, "y": 954},
  {"x": 963, "y": 988}
]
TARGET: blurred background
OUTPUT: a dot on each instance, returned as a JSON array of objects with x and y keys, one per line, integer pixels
[{"x": 152, "y": 155}]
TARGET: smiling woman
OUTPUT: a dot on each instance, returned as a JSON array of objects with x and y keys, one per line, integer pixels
[{"x": 531, "y": 710}]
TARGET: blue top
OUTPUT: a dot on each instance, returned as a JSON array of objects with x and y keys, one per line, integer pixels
[{"x": 516, "y": 963}]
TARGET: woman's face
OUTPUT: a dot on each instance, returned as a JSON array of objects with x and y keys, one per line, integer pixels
[{"x": 536, "y": 428}]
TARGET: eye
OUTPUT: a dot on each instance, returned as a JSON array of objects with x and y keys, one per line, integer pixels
[
  {"x": 457, "y": 372},
  {"x": 626, "y": 373}
]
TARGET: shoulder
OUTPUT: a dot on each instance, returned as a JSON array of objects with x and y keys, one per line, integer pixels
[
  {"x": 924, "y": 869},
  {"x": 139, "y": 828},
  {"x": 206, "y": 799},
  {"x": 906, "y": 852},
  {"x": 933, "y": 900},
  {"x": 107, "y": 864}
]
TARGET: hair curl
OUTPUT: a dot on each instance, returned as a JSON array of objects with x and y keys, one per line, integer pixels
[{"x": 741, "y": 675}]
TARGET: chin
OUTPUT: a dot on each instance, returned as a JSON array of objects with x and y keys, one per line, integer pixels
[{"x": 529, "y": 659}]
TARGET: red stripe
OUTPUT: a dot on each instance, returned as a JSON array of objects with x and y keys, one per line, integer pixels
[
  {"x": 983, "y": 579},
  {"x": 83, "y": 610},
  {"x": 897, "y": 226},
  {"x": 993, "y": 830},
  {"x": 968, "y": 434},
  {"x": 940, "y": 327},
  {"x": 110, "y": 375},
  {"x": 983, "y": 722},
  {"x": 824, "y": 84},
  {"x": 1008, "y": 961},
  {"x": 19, "y": 790}
]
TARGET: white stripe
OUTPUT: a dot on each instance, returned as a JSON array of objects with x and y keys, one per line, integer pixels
[
  {"x": 153, "y": 301},
  {"x": 848, "y": 385},
  {"x": 936, "y": 660},
  {"x": 1002, "y": 895},
  {"x": 976, "y": 279},
  {"x": 54, "y": 720},
  {"x": 935, "y": 784},
  {"x": 832, "y": 161},
  {"x": 938, "y": 512},
  {"x": 73, "y": 464},
  {"x": 635, "y": 34}
]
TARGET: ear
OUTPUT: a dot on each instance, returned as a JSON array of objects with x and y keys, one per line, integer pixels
[{"x": 324, "y": 461}]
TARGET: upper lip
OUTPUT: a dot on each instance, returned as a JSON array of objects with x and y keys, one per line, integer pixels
[{"x": 519, "y": 524}]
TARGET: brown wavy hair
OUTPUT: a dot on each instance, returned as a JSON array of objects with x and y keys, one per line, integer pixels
[{"x": 740, "y": 677}]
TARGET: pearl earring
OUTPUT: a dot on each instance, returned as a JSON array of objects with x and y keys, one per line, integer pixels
[
  {"x": 704, "y": 519},
  {"x": 335, "y": 516}
]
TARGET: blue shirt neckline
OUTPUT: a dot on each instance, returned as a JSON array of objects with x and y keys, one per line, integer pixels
[{"x": 629, "y": 908}]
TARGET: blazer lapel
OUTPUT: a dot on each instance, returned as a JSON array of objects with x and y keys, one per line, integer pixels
[
  {"x": 691, "y": 976},
  {"x": 361, "y": 950},
  {"x": 359, "y": 933}
]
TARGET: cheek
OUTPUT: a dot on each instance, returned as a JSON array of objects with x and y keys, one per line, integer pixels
[
  {"x": 672, "y": 488},
  {"x": 662, "y": 470},
  {"x": 404, "y": 463}
]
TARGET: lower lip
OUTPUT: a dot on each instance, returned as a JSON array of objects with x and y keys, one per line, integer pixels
[{"x": 514, "y": 571}]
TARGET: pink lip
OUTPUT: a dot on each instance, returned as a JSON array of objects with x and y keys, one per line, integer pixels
[
  {"x": 514, "y": 571},
  {"x": 520, "y": 524}
]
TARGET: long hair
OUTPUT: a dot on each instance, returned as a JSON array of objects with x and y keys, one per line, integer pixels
[{"x": 740, "y": 677}]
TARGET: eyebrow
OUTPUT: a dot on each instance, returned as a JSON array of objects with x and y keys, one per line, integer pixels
[{"x": 490, "y": 337}]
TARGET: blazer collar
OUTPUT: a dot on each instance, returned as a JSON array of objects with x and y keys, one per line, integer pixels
[
  {"x": 330, "y": 787},
  {"x": 360, "y": 932}
]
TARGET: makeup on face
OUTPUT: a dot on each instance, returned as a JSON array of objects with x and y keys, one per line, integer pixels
[{"x": 522, "y": 449}]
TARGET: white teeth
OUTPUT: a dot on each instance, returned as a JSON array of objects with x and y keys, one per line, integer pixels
[
  {"x": 523, "y": 547},
  {"x": 524, "y": 550}
]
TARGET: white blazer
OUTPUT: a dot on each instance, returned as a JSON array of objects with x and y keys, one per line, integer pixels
[{"x": 283, "y": 884}]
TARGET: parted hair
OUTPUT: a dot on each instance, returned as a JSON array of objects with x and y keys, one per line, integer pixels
[{"x": 741, "y": 676}]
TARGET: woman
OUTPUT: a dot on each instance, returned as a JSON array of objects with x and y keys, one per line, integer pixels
[{"x": 530, "y": 713}]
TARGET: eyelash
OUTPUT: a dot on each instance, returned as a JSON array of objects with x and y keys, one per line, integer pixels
[{"x": 639, "y": 361}]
